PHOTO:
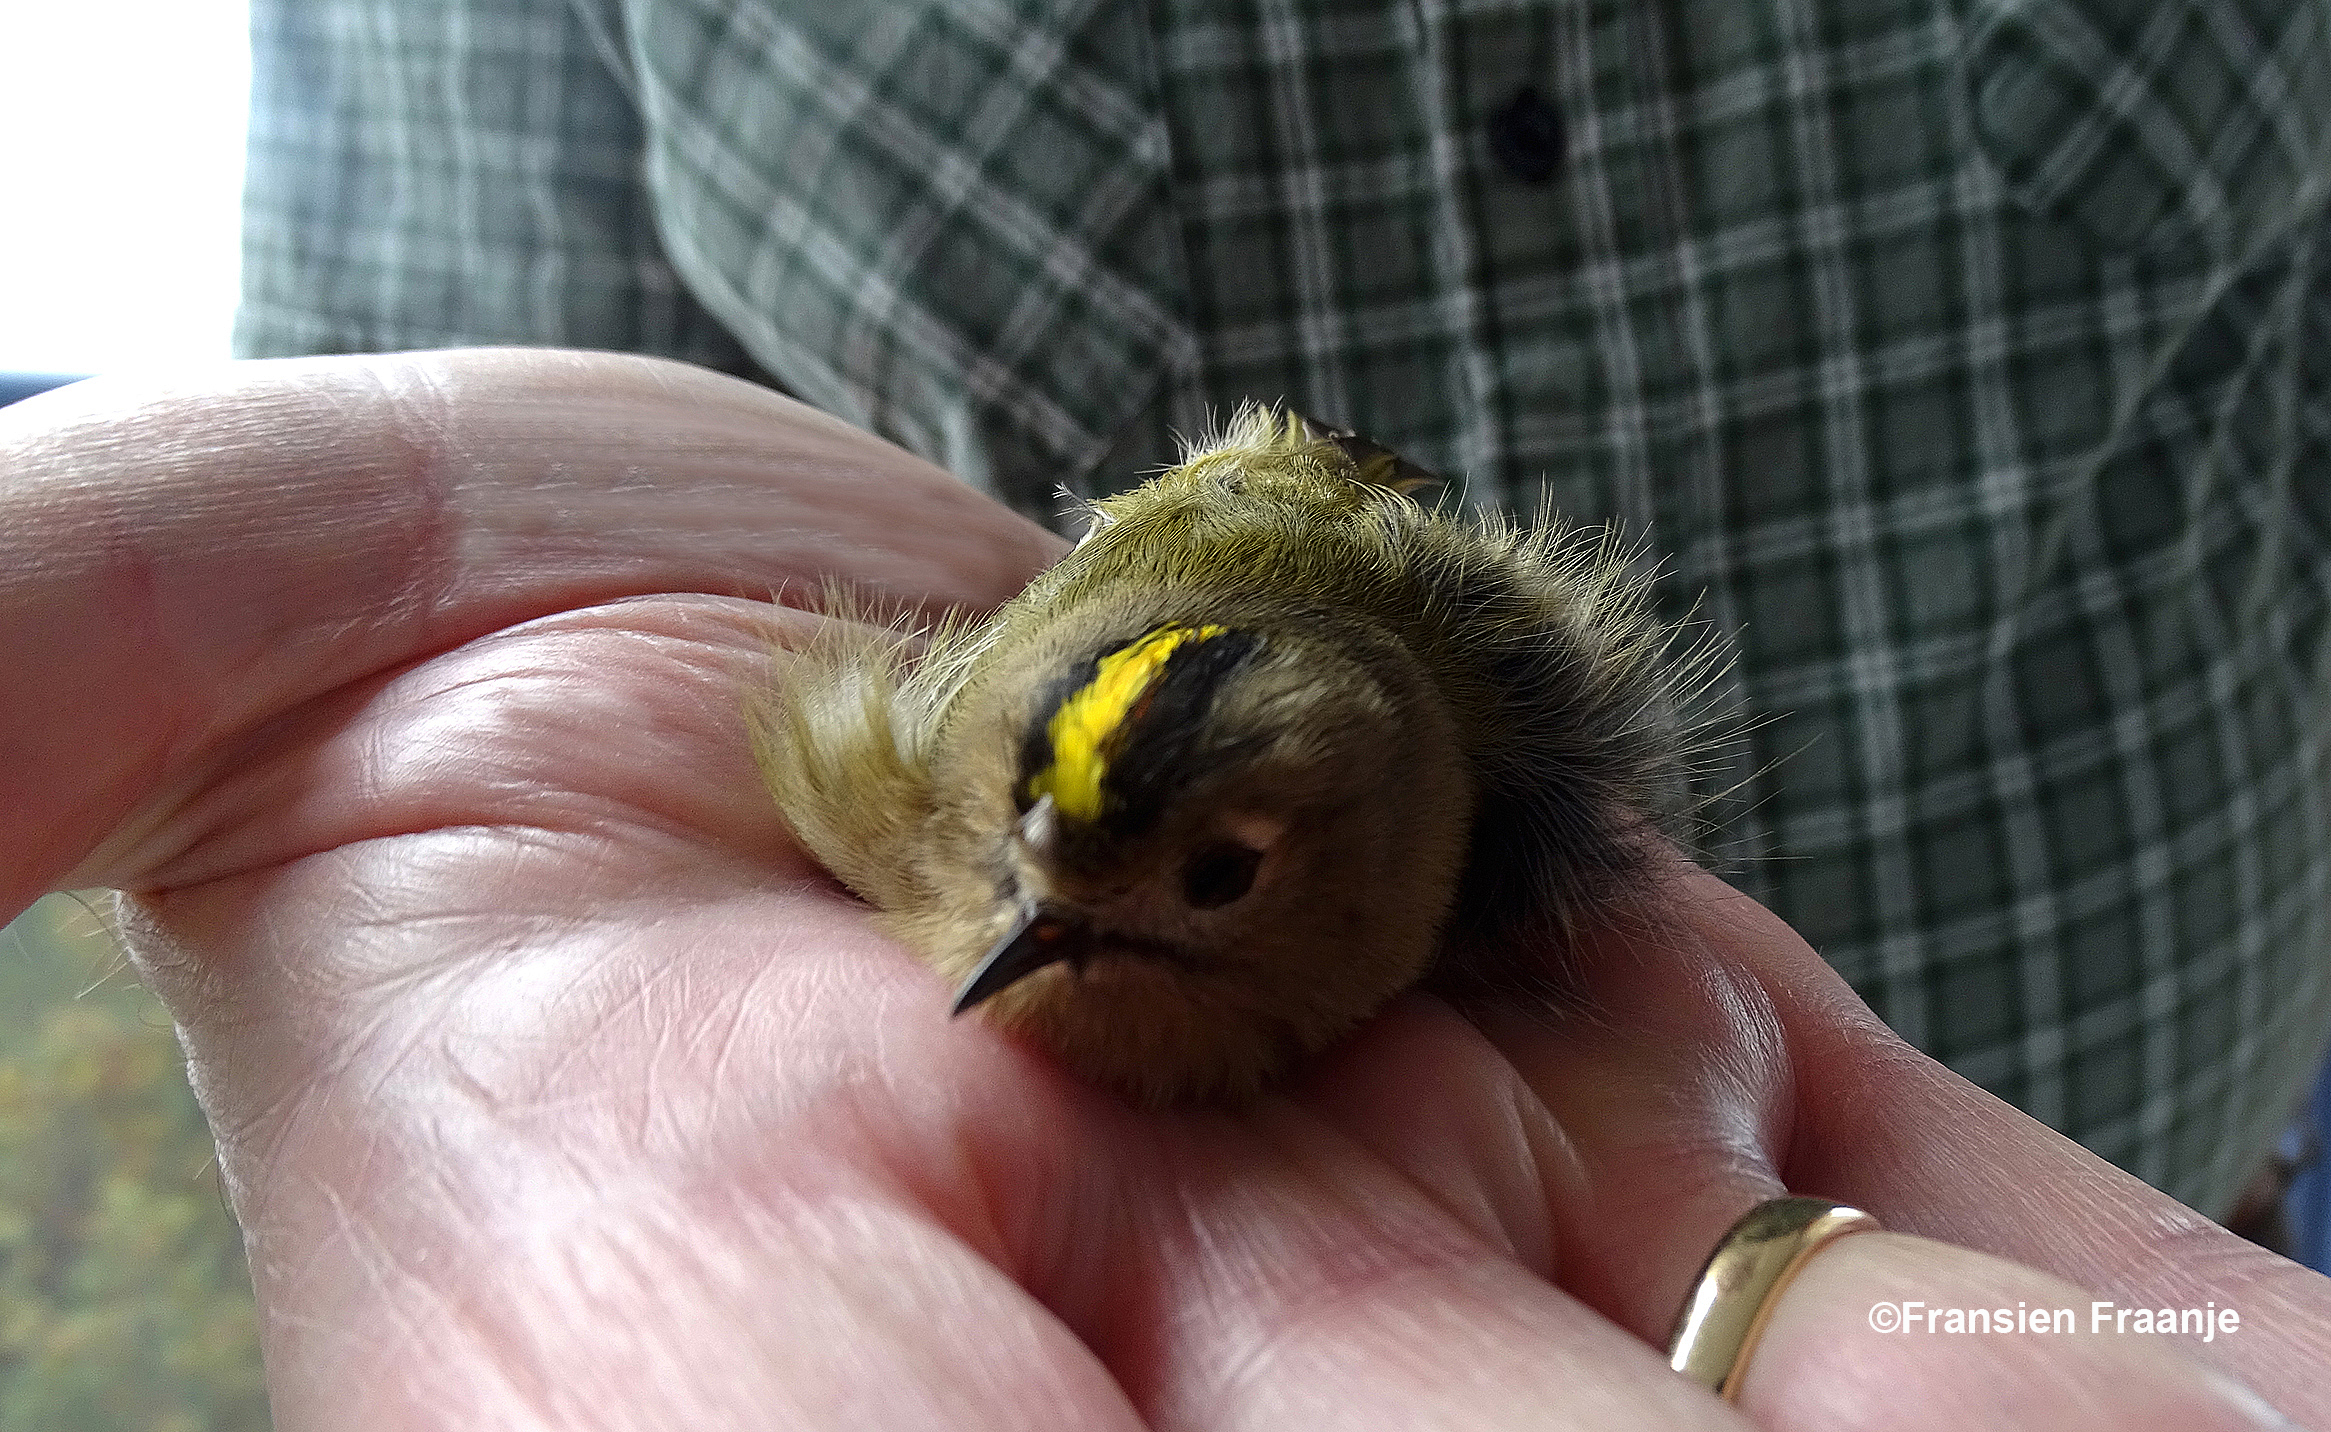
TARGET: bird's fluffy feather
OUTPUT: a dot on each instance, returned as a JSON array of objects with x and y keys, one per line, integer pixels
[{"x": 1563, "y": 687}]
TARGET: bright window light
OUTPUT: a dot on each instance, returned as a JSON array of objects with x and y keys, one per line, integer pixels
[{"x": 124, "y": 124}]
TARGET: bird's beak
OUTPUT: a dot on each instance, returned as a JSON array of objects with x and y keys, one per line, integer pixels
[{"x": 1038, "y": 937}]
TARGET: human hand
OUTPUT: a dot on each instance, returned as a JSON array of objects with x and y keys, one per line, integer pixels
[{"x": 554, "y": 1087}]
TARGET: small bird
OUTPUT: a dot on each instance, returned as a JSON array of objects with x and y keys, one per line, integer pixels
[{"x": 1272, "y": 742}]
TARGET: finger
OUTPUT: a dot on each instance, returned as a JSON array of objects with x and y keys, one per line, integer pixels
[
  {"x": 210, "y": 556},
  {"x": 1719, "y": 1061},
  {"x": 1331, "y": 1262},
  {"x": 1881, "y": 1126},
  {"x": 1905, "y": 1334},
  {"x": 1673, "y": 1087}
]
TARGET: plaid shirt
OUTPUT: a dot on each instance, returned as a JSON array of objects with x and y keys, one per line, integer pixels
[{"x": 1968, "y": 365}]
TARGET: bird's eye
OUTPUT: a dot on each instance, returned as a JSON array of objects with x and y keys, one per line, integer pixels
[{"x": 1219, "y": 873}]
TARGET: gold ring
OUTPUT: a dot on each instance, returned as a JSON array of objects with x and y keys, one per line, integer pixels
[{"x": 1752, "y": 1266}]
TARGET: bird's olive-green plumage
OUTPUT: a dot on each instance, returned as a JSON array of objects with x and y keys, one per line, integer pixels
[{"x": 1233, "y": 773}]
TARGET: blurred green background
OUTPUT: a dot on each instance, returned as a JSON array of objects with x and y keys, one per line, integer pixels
[{"x": 124, "y": 1301}]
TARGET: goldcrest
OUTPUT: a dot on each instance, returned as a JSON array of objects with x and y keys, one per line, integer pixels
[{"x": 1270, "y": 743}]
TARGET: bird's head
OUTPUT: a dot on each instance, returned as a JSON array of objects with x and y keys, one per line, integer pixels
[{"x": 1200, "y": 850}]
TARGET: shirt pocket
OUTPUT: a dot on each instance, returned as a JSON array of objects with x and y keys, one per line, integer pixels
[
  {"x": 949, "y": 223},
  {"x": 2195, "y": 129}
]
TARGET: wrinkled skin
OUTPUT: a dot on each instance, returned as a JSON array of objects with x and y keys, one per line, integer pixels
[{"x": 554, "y": 1088}]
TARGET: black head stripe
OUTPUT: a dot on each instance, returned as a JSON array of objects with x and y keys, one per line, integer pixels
[
  {"x": 1166, "y": 738},
  {"x": 1036, "y": 745}
]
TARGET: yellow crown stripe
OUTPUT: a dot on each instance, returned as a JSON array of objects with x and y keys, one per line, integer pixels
[{"x": 1082, "y": 727}]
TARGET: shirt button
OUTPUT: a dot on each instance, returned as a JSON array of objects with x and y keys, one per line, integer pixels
[{"x": 1526, "y": 136}]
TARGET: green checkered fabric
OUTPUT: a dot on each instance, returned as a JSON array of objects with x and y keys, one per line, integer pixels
[{"x": 1969, "y": 366}]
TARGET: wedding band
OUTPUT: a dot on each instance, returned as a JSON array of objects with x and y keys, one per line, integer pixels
[{"x": 1754, "y": 1263}]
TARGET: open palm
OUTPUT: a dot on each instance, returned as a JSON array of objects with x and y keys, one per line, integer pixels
[{"x": 556, "y": 1087}]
